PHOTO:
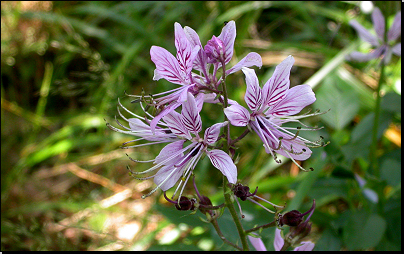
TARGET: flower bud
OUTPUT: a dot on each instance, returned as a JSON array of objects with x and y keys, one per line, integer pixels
[{"x": 214, "y": 50}]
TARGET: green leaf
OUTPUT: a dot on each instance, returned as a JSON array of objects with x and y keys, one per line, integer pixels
[
  {"x": 344, "y": 104},
  {"x": 363, "y": 230},
  {"x": 329, "y": 241},
  {"x": 390, "y": 171}
]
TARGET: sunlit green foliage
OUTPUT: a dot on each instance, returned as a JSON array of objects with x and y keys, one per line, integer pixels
[{"x": 64, "y": 182}]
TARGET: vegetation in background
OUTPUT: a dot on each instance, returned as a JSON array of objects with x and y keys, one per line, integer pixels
[{"x": 64, "y": 182}]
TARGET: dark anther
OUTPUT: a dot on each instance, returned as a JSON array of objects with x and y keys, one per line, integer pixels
[
  {"x": 243, "y": 192},
  {"x": 185, "y": 203},
  {"x": 294, "y": 217},
  {"x": 168, "y": 132}
]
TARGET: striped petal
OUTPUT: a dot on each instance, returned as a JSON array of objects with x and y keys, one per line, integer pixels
[
  {"x": 191, "y": 118},
  {"x": 224, "y": 163},
  {"x": 174, "y": 122},
  {"x": 212, "y": 133},
  {"x": 294, "y": 101},
  {"x": 276, "y": 87},
  {"x": 167, "y": 66},
  {"x": 253, "y": 95},
  {"x": 186, "y": 53},
  {"x": 237, "y": 115},
  {"x": 251, "y": 59},
  {"x": 228, "y": 36}
]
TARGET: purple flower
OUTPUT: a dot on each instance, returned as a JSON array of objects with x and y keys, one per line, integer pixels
[
  {"x": 175, "y": 161},
  {"x": 278, "y": 243},
  {"x": 383, "y": 48},
  {"x": 191, "y": 55},
  {"x": 271, "y": 106}
]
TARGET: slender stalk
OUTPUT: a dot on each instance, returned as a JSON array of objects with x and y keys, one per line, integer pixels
[
  {"x": 233, "y": 213},
  {"x": 219, "y": 232},
  {"x": 271, "y": 224},
  {"x": 373, "y": 147}
]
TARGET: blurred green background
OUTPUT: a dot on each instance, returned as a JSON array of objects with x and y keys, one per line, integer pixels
[{"x": 64, "y": 182}]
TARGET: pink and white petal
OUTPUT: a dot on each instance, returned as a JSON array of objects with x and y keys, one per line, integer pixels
[
  {"x": 360, "y": 57},
  {"x": 306, "y": 246},
  {"x": 294, "y": 101},
  {"x": 257, "y": 243},
  {"x": 191, "y": 119},
  {"x": 184, "y": 50},
  {"x": 199, "y": 99},
  {"x": 278, "y": 241},
  {"x": 168, "y": 151},
  {"x": 301, "y": 151},
  {"x": 138, "y": 125},
  {"x": 212, "y": 133},
  {"x": 251, "y": 59},
  {"x": 395, "y": 29},
  {"x": 397, "y": 49},
  {"x": 167, "y": 66},
  {"x": 237, "y": 115},
  {"x": 253, "y": 95},
  {"x": 275, "y": 88},
  {"x": 364, "y": 34},
  {"x": 227, "y": 36},
  {"x": 174, "y": 122},
  {"x": 224, "y": 163},
  {"x": 378, "y": 23},
  {"x": 168, "y": 109},
  {"x": 200, "y": 61},
  {"x": 164, "y": 173}
]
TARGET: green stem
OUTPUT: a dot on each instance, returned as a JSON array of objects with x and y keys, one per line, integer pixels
[
  {"x": 219, "y": 232},
  {"x": 271, "y": 224},
  {"x": 233, "y": 213},
  {"x": 373, "y": 147}
]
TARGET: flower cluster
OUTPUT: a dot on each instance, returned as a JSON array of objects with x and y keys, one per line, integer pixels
[
  {"x": 385, "y": 44},
  {"x": 201, "y": 73}
]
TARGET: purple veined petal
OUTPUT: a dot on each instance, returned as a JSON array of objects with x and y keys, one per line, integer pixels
[
  {"x": 168, "y": 151},
  {"x": 294, "y": 101},
  {"x": 191, "y": 119},
  {"x": 378, "y": 23},
  {"x": 168, "y": 109},
  {"x": 200, "y": 61},
  {"x": 397, "y": 49},
  {"x": 174, "y": 121},
  {"x": 302, "y": 152},
  {"x": 395, "y": 29},
  {"x": 237, "y": 115},
  {"x": 253, "y": 95},
  {"x": 360, "y": 57},
  {"x": 212, "y": 133},
  {"x": 199, "y": 99},
  {"x": 186, "y": 53},
  {"x": 251, "y": 59},
  {"x": 276, "y": 87},
  {"x": 183, "y": 96},
  {"x": 224, "y": 163},
  {"x": 227, "y": 36},
  {"x": 364, "y": 34},
  {"x": 165, "y": 172},
  {"x": 278, "y": 241},
  {"x": 306, "y": 246},
  {"x": 167, "y": 66},
  {"x": 257, "y": 243}
]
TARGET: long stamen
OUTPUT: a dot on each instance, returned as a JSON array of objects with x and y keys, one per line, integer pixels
[
  {"x": 297, "y": 164},
  {"x": 239, "y": 207},
  {"x": 139, "y": 160},
  {"x": 255, "y": 202},
  {"x": 255, "y": 196},
  {"x": 158, "y": 186}
]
